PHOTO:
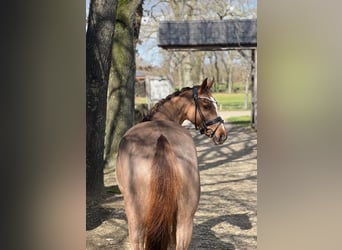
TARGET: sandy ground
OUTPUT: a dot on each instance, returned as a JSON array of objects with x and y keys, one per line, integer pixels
[{"x": 227, "y": 215}]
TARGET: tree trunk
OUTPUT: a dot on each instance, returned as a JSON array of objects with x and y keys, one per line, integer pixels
[
  {"x": 120, "y": 107},
  {"x": 230, "y": 81},
  {"x": 197, "y": 68},
  {"x": 254, "y": 78},
  {"x": 217, "y": 72},
  {"x": 99, "y": 41},
  {"x": 187, "y": 68},
  {"x": 180, "y": 76},
  {"x": 245, "y": 106},
  {"x": 247, "y": 76}
]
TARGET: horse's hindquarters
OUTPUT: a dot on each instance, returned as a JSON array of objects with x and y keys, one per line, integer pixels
[{"x": 135, "y": 172}]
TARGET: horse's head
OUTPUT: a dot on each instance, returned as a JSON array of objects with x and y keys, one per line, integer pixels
[{"x": 204, "y": 113}]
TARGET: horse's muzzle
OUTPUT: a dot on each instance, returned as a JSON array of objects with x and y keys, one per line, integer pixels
[
  {"x": 218, "y": 134},
  {"x": 220, "y": 139}
]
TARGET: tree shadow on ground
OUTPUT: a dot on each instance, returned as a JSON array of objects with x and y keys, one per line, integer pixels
[
  {"x": 96, "y": 214},
  {"x": 211, "y": 156},
  {"x": 204, "y": 231},
  {"x": 240, "y": 148}
]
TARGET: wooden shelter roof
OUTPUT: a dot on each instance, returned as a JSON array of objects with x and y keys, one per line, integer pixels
[{"x": 208, "y": 34}]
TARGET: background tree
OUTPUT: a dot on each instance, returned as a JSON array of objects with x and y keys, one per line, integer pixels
[
  {"x": 99, "y": 41},
  {"x": 120, "y": 106}
]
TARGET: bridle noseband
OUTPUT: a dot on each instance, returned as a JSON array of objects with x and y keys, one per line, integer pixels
[{"x": 204, "y": 123}]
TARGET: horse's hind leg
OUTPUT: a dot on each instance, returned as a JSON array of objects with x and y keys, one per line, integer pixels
[
  {"x": 135, "y": 230},
  {"x": 135, "y": 237},
  {"x": 184, "y": 233}
]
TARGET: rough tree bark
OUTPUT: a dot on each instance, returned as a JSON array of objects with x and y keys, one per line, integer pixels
[
  {"x": 120, "y": 106},
  {"x": 99, "y": 41}
]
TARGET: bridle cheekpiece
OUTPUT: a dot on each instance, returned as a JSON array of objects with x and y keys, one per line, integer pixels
[{"x": 205, "y": 124}]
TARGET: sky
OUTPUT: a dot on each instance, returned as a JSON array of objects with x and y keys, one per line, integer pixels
[{"x": 87, "y": 7}]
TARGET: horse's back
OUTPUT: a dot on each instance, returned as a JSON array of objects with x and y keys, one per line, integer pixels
[{"x": 149, "y": 132}]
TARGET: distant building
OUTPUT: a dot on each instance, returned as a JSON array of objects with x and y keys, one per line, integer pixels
[{"x": 140, "y": 86}]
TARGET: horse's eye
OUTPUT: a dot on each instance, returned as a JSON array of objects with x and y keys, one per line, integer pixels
[{"x": 206, "y": 106}]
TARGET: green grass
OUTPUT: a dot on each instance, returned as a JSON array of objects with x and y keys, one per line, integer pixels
[
  {"x": 236, "y": 87},
  {"x": 226, "y": 102},
  {"x": 243, "y": 121},
  {"x": 233, "y": 101}
]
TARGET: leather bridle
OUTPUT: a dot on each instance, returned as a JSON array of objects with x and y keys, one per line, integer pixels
[{"x": 205, "y": 125}]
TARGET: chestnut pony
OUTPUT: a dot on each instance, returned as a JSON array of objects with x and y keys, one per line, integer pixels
[{"x": 157, "y": 169}]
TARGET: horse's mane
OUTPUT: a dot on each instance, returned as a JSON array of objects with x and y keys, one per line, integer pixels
[{"x": 156, "y": 107}]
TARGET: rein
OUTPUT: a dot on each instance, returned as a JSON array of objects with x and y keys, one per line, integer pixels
[{"x": 204, "y": 123}]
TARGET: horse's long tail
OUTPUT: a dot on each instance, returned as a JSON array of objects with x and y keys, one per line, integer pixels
[{"x": 161, "y": 216}]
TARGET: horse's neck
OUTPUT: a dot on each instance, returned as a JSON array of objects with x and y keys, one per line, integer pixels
[{"x": 172, "y": 110}]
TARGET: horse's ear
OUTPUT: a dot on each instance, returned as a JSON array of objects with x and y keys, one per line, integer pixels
[{"x": 206, "y": 85}]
